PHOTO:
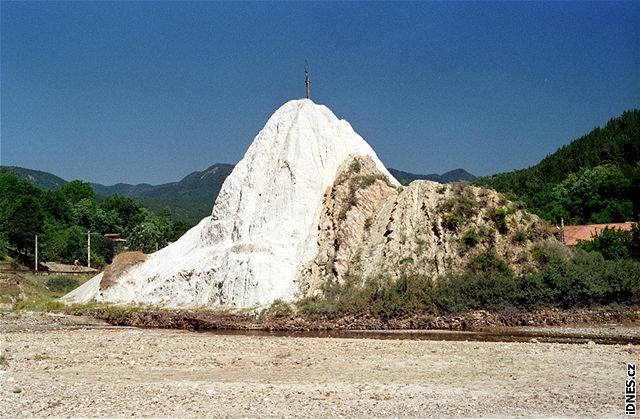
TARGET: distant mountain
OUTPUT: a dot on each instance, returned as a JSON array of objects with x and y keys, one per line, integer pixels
[
  {"x": 456, "y": 175},
  {"x": 191, "y": 198},
  {"x": 204, "y": 184},
  {"x": 123, "y": 189},
  {"x": 42, "y": 180}
]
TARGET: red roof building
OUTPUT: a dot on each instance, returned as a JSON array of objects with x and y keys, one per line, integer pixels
[{"x": 573, "y": 234}]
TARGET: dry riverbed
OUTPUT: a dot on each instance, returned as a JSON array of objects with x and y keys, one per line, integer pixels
[{"x": 55, "y": 365}]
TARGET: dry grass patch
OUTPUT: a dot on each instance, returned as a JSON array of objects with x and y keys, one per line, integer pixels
[{"x": 121, "y": 264}]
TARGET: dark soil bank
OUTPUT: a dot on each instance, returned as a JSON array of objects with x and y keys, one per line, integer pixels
[{"x": 203, "y": 320}]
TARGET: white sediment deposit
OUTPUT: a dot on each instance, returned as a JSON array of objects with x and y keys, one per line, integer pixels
[{"x": 264, "y": 226}]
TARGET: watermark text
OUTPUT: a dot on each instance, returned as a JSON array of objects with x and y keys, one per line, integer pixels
[{"x": 630, "y": 391}]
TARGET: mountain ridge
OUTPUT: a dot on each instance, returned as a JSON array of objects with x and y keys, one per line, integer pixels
[
  {"x": 191, "y": 198},
  {"x": 455, "y": 175}
]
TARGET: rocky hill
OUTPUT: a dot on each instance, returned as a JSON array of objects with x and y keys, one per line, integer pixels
[
  {"x": 311, "y": 203},
  {"x": 371, "y": 229},
  {"x": 263, "y": 226}
]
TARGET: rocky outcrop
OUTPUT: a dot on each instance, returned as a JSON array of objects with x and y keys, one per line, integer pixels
[
  {"x": 349, "y": 208},
  {"x": 369, "y": 229},
  {"x": 262, "y": 229}
]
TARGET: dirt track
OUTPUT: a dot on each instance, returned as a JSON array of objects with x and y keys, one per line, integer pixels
[{"x": 57, "y": 368}]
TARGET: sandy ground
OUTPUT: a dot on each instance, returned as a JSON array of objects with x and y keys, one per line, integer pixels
[{"x": 66, "y": 366}]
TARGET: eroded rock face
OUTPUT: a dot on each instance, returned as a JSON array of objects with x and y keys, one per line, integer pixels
[
  {"x": 369, "y": 229},
  {"x": 349, "y": 208}
]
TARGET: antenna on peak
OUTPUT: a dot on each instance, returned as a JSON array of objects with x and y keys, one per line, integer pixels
[{"x": 307, "y": 79}]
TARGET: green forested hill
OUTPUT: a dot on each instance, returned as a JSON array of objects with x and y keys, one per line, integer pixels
[
  {"x": 42, "y": 180},
  {"x": 62, "y": 219},
  {"x": 190, "y": 199},
  {"x": 593, "y": 179}
]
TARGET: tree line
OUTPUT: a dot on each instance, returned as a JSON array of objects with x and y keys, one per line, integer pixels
[
  {"x": 61, "y": 219},
  {"x": 594, "y": 179}
]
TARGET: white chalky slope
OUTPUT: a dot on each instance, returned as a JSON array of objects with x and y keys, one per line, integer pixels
[{"x": 263, "y": 228}]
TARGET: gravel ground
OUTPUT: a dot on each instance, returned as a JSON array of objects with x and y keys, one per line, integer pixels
[{"x": 66, "y": 366}]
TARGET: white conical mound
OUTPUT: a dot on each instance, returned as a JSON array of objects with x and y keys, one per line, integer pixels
[{"x": 263, "y": 228}]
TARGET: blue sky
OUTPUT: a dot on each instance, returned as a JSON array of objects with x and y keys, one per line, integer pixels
[{"x": 151, "y": 91}]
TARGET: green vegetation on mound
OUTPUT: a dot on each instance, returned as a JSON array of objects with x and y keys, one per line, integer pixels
[{"x": 566, "y": 279}]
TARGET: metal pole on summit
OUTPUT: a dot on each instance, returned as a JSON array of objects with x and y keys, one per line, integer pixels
[{"x": 307, "y": 79}]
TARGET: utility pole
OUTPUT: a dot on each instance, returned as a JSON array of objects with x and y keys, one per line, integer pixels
[
  {"x": 88, "y": 248},
  {"x": 36, "y": 253},
  {"x": 307, "y": 79}
]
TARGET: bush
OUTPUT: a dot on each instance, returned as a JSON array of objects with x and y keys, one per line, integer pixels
[
  {"x": 489, "y": 262},
  {"x": 565, "y": 280},
  {"x": 499, "y": 217},
  {"x": 470, "y": 237},
  {"x": 377, "y": 297},
  {"x": 314, "y": 307},
  {"x": 473, "y": 291},
  {"x": 62, "y": 284},
  {"x": 3, "y": 249},
  {"x": 520, "y": 236},
  {"x": 279, "y": 309},
  {"x": 349, "y": 203},
  {"x": 40, "y": 305},
  {"x": 616, "y": 244},
  {"x": 453, "y": 221},
  {"x": 355, "y": 166}
]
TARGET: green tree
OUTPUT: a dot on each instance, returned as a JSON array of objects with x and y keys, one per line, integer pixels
[
  {"x": 610, "y": 244},
  {"x": 145, "y": 237},
  {"x": 596, "y": 195},
  {"x": 22, "y": 221},
  {"x": 77, "y": 190},
  {"x": 129, "y": 213},
  {"x": 56, "y": 207},
  {"x": 84, "y": 211},
  {"x": 106, "y": 222},
  {"x": 178, "y": 229}
]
